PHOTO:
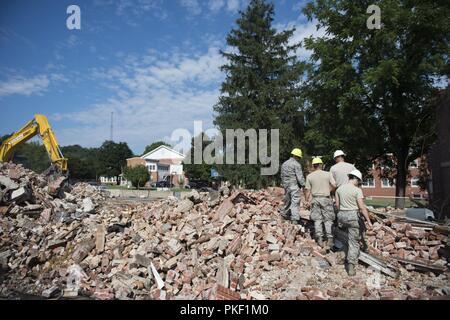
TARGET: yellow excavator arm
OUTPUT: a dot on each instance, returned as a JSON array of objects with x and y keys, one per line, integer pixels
[{"x": 39, "y": 125}]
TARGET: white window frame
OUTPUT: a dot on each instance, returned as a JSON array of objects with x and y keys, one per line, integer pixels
[
  {"x": 417, "y": 183},
  {"x": 384, "y": 186},
  {"x": 369, "y": 186},
  {"x": 413, "y": 164}
]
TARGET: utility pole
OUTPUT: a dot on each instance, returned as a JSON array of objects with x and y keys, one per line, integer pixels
[{"x": 112, "y": 115}]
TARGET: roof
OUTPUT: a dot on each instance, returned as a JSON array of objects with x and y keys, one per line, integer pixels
[
  {"x": 162, "y": 147},
  {"x": 134, "y": 158},
  {"x": 169, "y": 161}
]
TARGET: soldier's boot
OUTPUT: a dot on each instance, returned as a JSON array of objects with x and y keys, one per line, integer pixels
[
  {"x": 351, "y": 270},
  {"x": 320, "y": 242}
]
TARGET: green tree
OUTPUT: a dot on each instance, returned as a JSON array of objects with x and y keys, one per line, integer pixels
[
  {"x": 83, "y": 163},
  {"x": 138, "y": 175},
  {"x": 33, "y": 156},
  {"x": 155, "y": 145},
  {"x": 261, "y": 87},
  {"x": 112, "y": 157},
  {"x": 369, "y": 91}
]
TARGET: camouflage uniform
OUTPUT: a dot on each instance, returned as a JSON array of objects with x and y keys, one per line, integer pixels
[
  {"x": 322, "y": 212},
  {"x": 292, "y": 180},
  {"x": 349, "y": 221}
]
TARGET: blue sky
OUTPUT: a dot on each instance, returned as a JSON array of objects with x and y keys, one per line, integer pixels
[{"x": 154, "y": 63}]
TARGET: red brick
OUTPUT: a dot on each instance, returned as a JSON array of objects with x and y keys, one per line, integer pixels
[
  {"x": 387, "y": 294},
  {"x": 103, "y": 294},
  {"x": 221, "y": 293}
]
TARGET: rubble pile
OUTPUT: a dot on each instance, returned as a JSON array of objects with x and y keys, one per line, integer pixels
[
  {"x": 404, "y": 241},
  {"x": 204, "y": 246}
]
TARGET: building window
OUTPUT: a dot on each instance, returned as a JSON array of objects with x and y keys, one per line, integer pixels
[
  {"x": 152, "y": 167},
  {"x": 385, "y": 183},
  {"x": 414, "y": 164},
  {"x": 369, "y": 183},
  {"x": 415, "y": 182}
]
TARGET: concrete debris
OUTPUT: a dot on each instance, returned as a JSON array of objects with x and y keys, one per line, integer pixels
[
  {"x": 20, "y": 195},
  {"x": 187, "y": 249},
  {"x": 55, "y": 186},
  {"x": 7, "y": 183},
  {"x": 184, "y": 206},
  {"x": 88, "y": 205}
]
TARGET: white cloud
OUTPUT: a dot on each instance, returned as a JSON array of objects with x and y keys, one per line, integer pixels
[
  {"x": 233, "y": 5},
  {"x": 152, "y": 96},
  {"x": 216, "y": 5},
  {"x": 131, "y": 11},
  {"x": 192, "y": 6},
  {"x": 24, "y": 86}
]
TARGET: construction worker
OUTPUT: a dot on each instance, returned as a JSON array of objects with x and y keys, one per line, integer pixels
[
  {"x": 341, "y": 169},
  {"x": 292, "y": 180},
  {"x": 349, "y": 201},
  {"x": 319, "y": 183}
]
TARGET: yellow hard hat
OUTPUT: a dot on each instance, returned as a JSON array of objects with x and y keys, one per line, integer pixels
[
  {"x": 317, "y": 160},
  {"x": 297, "y": 152}
]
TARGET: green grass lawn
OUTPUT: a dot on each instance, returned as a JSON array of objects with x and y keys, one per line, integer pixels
[{"x": 111, "y": 187}]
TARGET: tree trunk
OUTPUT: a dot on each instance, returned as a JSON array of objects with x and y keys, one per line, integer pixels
[{"x": 400, "y": 180}]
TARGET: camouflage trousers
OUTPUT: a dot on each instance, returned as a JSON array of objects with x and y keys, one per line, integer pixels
[
  {"x": 291, "y": 202},
  {"x": 322, "y": 213},
  {"x": 349, "y": 222}
]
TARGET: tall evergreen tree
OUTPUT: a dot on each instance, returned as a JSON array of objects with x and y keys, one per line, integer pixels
[
  {"x": 369, "y": 90},
  {"x": 261, "y": 87}
]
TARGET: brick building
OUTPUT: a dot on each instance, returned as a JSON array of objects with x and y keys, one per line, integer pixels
[{"x": 380, "y": 186}]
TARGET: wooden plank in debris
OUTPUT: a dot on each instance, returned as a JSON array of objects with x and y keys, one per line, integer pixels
[
  {"x": 68, "y": 232},
  {"x": 159, "y": 281},
  {"x": 402, "y": 217},
  {"x": 421, "y": 265},
  {"x": 240, "y": 197},
  {"x": 436, "y": 226},
  {"x": 442, "y": 229},
  {"x": 377, "y": 264},
  {"x": 100, "y": 239},
  {"x": 4, "y": 209}
]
